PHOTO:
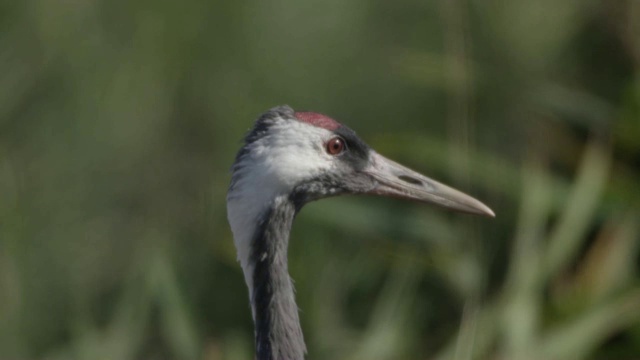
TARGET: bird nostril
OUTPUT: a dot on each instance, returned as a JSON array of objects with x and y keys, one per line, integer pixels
[{"x": 410, "y": 180}]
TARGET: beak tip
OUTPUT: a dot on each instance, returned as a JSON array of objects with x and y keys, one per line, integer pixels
[{"x": 485, "y": 211}]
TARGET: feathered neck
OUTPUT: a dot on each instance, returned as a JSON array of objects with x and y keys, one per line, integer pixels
[{"x": 277, "y": 325}]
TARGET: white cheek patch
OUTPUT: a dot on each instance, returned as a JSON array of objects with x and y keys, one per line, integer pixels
[
  {"x": 291, "y": 152},
  {"x": 294, "y": 151}
]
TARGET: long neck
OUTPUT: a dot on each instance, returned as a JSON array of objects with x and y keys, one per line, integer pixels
[{"x": 277, "y": 325}]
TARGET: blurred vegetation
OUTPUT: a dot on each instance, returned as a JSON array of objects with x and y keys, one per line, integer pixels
[{"x": 120, "y": 119}]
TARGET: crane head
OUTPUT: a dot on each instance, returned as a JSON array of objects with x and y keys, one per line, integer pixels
[{"x": 307, "y": 156}]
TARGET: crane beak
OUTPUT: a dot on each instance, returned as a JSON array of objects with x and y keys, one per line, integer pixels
[{"x": 395, "y": 180}]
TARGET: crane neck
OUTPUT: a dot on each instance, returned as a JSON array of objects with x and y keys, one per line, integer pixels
[{"x": 277, "y": 326}]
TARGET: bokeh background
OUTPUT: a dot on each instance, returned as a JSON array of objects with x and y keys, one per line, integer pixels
[{"x": 119, "y": 121}]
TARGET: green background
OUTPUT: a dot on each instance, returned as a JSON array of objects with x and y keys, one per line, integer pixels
[{"x": 119, "y": 121}]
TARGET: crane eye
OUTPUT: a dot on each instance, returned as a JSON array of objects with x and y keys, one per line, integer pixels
[{"x": 335, "y": 146}]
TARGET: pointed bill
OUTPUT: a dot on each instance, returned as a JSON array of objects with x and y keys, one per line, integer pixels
[{"x": 399, "y": 181}]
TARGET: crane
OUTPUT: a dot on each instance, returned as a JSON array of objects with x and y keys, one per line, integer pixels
[{"x": 288, "y": 159}]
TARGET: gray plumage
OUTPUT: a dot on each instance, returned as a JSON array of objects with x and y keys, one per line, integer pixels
[
  {"x": 289, "y": 159},
  {"x": 277, "y": 326}
]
